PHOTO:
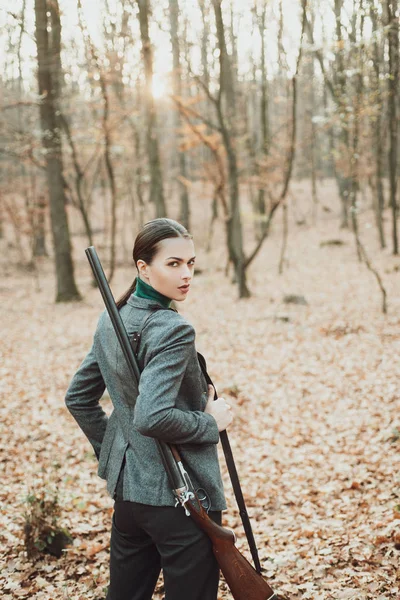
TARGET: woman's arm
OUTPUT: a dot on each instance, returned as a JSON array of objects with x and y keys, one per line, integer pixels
[
  {"x": 155, "y": 412},
  {"x": 82, "y": 400}
]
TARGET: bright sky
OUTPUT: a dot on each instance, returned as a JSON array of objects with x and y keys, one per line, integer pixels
[{"x": 248, "y": 36}]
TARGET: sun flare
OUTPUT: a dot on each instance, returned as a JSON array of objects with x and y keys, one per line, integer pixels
[{"x": 159, "y": 87}]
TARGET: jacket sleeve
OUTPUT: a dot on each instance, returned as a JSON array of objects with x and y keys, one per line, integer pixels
[
  {"x": 82, "y": 400},
  {"x": 155, "y": 412}
]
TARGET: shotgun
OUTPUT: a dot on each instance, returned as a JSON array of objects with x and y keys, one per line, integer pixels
[
  {"x": 242, "y": 579},
  {"x": 244, "y": 582}
]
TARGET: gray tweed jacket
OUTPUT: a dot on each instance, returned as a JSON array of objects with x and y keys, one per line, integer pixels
[{"x": 168, "y": 405}]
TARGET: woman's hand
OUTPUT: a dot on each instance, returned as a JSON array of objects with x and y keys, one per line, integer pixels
[{"x": 219, "y": 409}]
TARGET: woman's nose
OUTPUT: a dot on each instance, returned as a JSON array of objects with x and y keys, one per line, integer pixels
[{"x": 186, "y": 273}]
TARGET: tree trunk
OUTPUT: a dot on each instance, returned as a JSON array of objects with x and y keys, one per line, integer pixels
[
  {"x": 343, "y": 179},
  {"x": 1, "y": 217},
  {"x": 39, "y": 220},
  {"x": 48, "y": 78},
  {"x": 156, "y": 182},
  {"x": 206, "y": 154},
  {"x": 265, "y": 132},
  {"x": 393, "y": 40},
  {"x": 79, "y": 180},
  {"x": 226, "y": 90},
  {"x": 110, "y": 174},
  {"x": 379, "y": 200},
  {"x": 204, "y": 44},
  {"x": 225, "y": 108},
  {"x": 234, "y": 54},
  {"x": 358, "y": 93},
  {"x": 139, "y": 168},
  {"x": 177, "y": 90},
  {"x": 313, "y": 146},
  {"x": 285, "y": 233}
]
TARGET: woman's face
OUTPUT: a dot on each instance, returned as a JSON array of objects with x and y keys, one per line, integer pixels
[{"x": 172, "y": 268}]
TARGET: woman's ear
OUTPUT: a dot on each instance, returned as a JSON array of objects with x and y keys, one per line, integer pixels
[{"x": 142, "y": 269}]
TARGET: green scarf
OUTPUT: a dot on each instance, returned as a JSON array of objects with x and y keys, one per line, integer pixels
[{"x": 144, "y": 290}]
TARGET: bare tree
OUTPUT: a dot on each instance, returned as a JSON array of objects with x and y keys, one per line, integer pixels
[
  {"x": 177, "y": 91},
  {"x": 225, "y": 106},
  {"x": 377, "y": 60},
  {"x": 47, "y": 17},
  {"x": 156, "y": 181},
  {"x": 340, "y": 81},
  {"x": 393, "y": 43},
  {"x": 261, "y": 18},
  {"x": 313, "y": 142}
]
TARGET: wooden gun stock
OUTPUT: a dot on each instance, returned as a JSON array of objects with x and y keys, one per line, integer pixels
[{"x": 243, "y": 580}]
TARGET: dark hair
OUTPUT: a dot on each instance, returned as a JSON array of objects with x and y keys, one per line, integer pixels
[{"x": 147, "y": 245}]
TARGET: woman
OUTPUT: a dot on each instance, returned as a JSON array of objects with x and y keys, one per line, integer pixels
[{"x": 173, "y": 403}]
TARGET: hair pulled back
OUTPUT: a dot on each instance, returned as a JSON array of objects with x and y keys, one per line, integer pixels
[{"x": 147, "y": 245}]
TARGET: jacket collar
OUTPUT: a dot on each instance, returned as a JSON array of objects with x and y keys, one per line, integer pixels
[
  {"x": 145, "y": 290},
  {"x": 144, "y": 303}
]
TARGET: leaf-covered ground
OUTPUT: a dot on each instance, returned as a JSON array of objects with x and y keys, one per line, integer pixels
[{"x": 315, "y": 390}]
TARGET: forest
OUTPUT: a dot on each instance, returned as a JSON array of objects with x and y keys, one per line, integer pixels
[{"x": 270, "y": 130}]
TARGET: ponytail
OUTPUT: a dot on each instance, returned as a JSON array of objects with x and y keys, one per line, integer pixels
[{"x": 125, "y": 297}]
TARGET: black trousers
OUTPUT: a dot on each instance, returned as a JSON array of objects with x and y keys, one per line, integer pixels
[{"x": 146, "y": 539}]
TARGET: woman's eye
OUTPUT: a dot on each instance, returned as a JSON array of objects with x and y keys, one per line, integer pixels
[{"x": 191, "y": 262}]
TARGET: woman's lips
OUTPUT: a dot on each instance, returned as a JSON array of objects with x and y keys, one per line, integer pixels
[{"x": 184, "y": 288}]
